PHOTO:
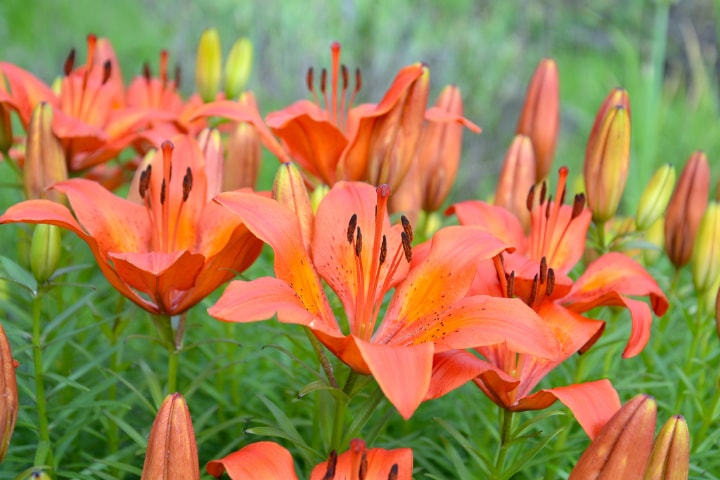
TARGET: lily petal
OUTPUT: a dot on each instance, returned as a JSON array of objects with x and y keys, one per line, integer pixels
[
  {"x": 592, "y": 403},
  {"x": 378, "y": 461},
  {"x": 454, "y": 368},
  {"x": 496, "y": 220},
  {"x": 257, "y": 461}
]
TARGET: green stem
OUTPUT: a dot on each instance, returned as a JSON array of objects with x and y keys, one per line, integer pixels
[
  {"x": 172, "y": 371},
  {"x": 601, "y": 236},
  {"x": 506, "y": 419},
  {"x": 40, "y": 400},
  {"x": 320, "y": 352},
  {"x": 339, "y": 415}
]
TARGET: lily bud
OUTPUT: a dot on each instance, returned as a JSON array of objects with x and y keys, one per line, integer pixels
[
  {"x": 686, "y": 208},
  {"x": 438, "y": 152},
  {"x": 212, "y": 149},
  {"x": 655, "y": 197},
  {"x": 540, "y": 118},
  {"x": 8, "y": 394},
  {"x": 45, "y": 251},
  {"x": 607, "y": 158},
  {"x": 290, "y": 190},
  {"x": 208, "y": 65},
  {"x": 516, "y": 178},
  {"x": 44, "y": 158},
  {"x": 656, "y": 236},
  {"x": 670, "y": 457},
  {"x": 244, "y": 154},
  {"x": 395, "y": 136},
  {"x": 705, "y": 259},
  {"x": 317, "y": 196},
  {"x": 172, "y": 451},
  {"x": 237, "y": 67},
  {"x": 622, "y": 448}
]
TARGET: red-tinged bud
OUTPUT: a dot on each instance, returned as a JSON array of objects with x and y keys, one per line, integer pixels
[
  {"x": 208, "y": 65},
  {"x": 395, "y": 135},
  {"x": 686, "y": 208},
  {"x": 439, "y": 148},
  {"x": 516, "y": 178},
  {"x": 655, "y": 197},
  {"x": 622, "y": 448},
  {"x": 705, "y": 258},
  {"x": 290, "y": 190},
  {"x": 670, "y": 457},
  {"x": 540, "y": 118},
  {"x": 617, "y": 97},
  {"x": 244, "y": 153},
  {"x": 44, "y": 158},
  {"x": 8, "y": 394},
  {"x": 237, "y": 67},
  {"x": 607, "y": 160},
  {"x": 172, "y": 451}
]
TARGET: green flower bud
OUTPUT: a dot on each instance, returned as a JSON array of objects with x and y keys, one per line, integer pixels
[
  {"x": 655, "y": 197},
  {"x": 237, "y": 67},
  {"x": 208, "y": 65},
  {"x": 705, "y": 260},
  {"x": 44, "y": 251}
]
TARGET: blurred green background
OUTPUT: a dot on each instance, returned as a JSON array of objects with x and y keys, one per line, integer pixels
[{"x": 489, "y": 49}]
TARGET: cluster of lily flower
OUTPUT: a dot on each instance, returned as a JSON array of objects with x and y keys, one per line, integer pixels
[{"x": 490, "y": 300}]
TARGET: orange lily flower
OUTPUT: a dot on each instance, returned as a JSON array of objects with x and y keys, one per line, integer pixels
[
  {"x": 537, "y": 273},
  {"x": 90, "y": 118},
  {"x": 167, "y": 246},
  {"x": 270, "y": 461},
  {"x": 373, "y": 142},
  {"x": 362, "y": 257}
]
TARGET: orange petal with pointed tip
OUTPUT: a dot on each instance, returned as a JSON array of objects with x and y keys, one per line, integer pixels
[
  {"x": 454, "y": 368},
  {"x": 257, "y": 461},
  {"x": 496, "y": 220}
]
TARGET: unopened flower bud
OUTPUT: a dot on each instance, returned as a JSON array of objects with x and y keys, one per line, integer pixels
[
  {"x": 540, "y": 118},
  {"x": 317, "y": 196},
  {"x": 655, "y": 197},
  {"x": 516, "y": 178},
  {"x": 172, "y": 451},
  {"x": 45, "y": 249},
  {"x": 654, "y": 235},
  {"x": 237, "y": 67},
  {"x": 705, "y": 259},
  {"x": 607, "y": 160},
  {"x": 686, "y": 208},
  {"x": 208, "y": 65},
  {"x": 44, "y": 158},
  {"x": 290, "y": 190},
  {"x": 622, "y": 448},
  {"x": 8, "y": 394},
  {"x": 670, "y": 457},
  {"x": 244, "y": 153}
]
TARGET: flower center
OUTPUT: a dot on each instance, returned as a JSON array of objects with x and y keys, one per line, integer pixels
[
  {"x": 337, "y": 105},
  {"x": 79, "y": 90},
  {"x": 157, "y": 92},
  {"x": 375, "y": 280},
  {"x": 164, "y": 207}
]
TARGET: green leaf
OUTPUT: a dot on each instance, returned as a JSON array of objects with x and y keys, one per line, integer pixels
[{"x": 18, "y": 275}]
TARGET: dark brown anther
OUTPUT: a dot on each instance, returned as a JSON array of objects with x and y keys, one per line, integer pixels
[
  {"x": 345, "y": 76},
  {"x": 144, "y": 181},
  {"x": 147, "y": 74},
  {"x": 383, "y": 250},
  {"x": 187, "y": 184},
  {"x": 358, "y": 80},
  {"x": 543, "y": 192},
  {"x": 162, "y": 192},
  {"x": 351, "y": 228},
  {"x": 362, "y": 471},
  {"x": 407, "y": 249},
  {"x": 69, "y": 62},
  {"x": 543, "y": 270},
  {"x": 510, "y": 284},
  {"x": 407, "y": 228},
  {"x": 547, "y": 207},
  {"x": 309, "y": 78},
  {"x": 393, "y": 475},
  {"x": 358, "y": 243},
  {"x": 332, "y": 464},
  {"x": 323, "y": 80},
  {"x": 578, "y": 206},
  {"x": 534, "y": 291},
  {"x": 107, "y": 71},
  {"x": 530, "y": 198},
  {"x": 550, "y": 282}
]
